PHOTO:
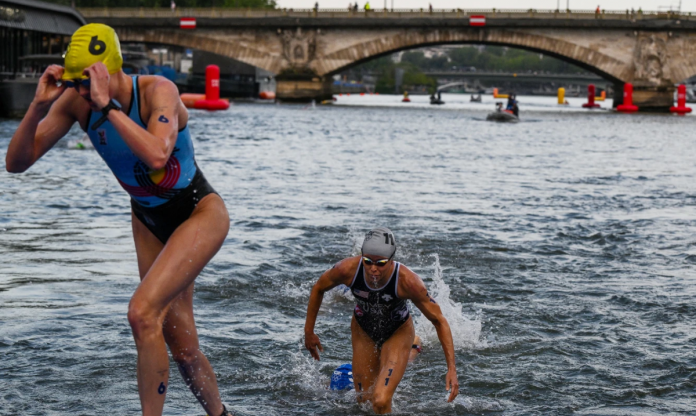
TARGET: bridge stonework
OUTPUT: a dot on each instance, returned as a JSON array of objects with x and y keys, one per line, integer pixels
[{"x": 305, "y": 55}]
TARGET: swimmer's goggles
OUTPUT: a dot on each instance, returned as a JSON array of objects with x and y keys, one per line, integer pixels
[
  {"x": 77, "y": 83},
  {"x": 379, "y": 263}
]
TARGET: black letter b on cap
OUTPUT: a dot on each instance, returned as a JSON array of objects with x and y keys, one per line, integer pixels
[{"x": 96, "y": 47}]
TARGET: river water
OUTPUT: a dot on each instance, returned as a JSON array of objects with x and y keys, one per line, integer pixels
[{"x": 561, "y": 249}]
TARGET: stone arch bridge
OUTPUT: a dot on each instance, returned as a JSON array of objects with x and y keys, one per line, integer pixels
[{"x": 654, "y": 51}]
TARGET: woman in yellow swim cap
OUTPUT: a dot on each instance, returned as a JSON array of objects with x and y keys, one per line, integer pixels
[{"x": 140, "y": 128}]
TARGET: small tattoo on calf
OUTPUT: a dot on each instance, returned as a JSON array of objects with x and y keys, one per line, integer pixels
[
  {"x": 386, "y": 381},
  {"x": 431, "y": 299},
  {"x": 360, "y": 386},
  {"x": 390, "y": 371},
  {"x": 162, "y": 388},
  {"x": 163, "y": 119}
]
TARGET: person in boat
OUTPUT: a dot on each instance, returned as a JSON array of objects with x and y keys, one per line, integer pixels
[
  {"x": 512, "y": 106},
  {"x": 382, "y": 329}
]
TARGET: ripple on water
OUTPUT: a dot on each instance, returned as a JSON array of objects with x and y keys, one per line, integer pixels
[{"x": 560, "y": 250}]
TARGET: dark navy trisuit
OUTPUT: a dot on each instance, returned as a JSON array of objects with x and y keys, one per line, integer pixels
[{"x": 379, "y": 312}]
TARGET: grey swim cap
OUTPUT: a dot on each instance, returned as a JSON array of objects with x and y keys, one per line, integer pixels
[{"x": 379, "y": 242}]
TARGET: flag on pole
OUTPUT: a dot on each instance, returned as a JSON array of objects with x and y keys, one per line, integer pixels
[
  {"x": 187, "y": 23},
  {"x": 477, "y": 20}
]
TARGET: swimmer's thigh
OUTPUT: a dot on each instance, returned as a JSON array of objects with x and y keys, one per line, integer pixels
[
  {"x": 393, "y": 361},
  {"x": 187, "y": 251},
  {"x": 365, "y": 360},
  {"x": 179, "y": 326}
]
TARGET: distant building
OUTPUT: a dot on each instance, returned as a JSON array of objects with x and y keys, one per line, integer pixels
[{"x": 33, "y": 35}]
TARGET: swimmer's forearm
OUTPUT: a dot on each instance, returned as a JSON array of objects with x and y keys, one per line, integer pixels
[
  {"x": 20, "y": 153},
  {"x": 150, "y": 149},
  {"x": 444, "y": 333},
  {"x": 315, "y": 299}
]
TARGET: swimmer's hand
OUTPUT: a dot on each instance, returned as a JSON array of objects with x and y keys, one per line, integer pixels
[
  {"x": 313, "y": 345},
  {"x": 50, "y": 86},
  {"x": 452, "y": 384},
  {"x": 99, "y": 84}
]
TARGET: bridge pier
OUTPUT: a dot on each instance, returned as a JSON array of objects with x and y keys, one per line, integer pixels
[
  {"x": 648, "y": 98},
  {"x": 303, "y": 89},
  {"x": 653, "y": 99}
]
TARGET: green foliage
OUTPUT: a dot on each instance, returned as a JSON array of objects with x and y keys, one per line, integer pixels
[
  {"x": 255, "y": 4},
  {"x": 489, "y": 58},
  {"x": 497, "y": 58}
]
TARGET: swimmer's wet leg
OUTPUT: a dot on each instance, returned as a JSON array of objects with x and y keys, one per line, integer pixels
[
  {"x": 182, "y": 337},
  {"x": 392, "y": 366},
  {"x": 365, "y": 362},
  {"x": 168, "y": 272}
]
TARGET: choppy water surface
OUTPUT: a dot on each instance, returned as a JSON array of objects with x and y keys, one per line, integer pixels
[{"x": 562, "y": 250}]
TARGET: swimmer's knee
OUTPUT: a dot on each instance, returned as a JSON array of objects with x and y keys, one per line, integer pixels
[
  {"x": 144, "y": 320},
  {"x": 381, "y": 403}
]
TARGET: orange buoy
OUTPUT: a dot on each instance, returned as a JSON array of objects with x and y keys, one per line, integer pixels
[
  {"x": 267, "y": 95},
  {"x": 496, "y": 95},
  {"x": 189, "y": 99},
  {"x": 406, "y": 99},
  {"x": 627, "y": 106},
  {"x": 681, "y": 107}
]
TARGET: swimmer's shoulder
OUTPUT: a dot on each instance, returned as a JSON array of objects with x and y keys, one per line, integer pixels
[
  {"x": 409, "y": 283},
  {"x": 151, "y": 86},
  {"x": 345, "y": 269}
]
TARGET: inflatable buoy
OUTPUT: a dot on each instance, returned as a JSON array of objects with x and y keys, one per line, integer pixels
[
  {"x": 496, "y": 95},
  {"x": 590, "y": 98},
  {"x": 267, "y": 95},
  {"x": 211, "y": 100},
  {"x": 627, "y": 106},
  {"x": 190, "y": 99},
  {"x": 406, "y": 99},
  {"x": 681, "y": 107}
]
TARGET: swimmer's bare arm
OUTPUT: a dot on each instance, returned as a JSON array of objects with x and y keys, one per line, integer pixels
[
  {"x": 47, "y": 120},
  {"x": 412, "y": 287},
  {"x": 154, "y": 145},
  {"x": 341, "y": 273}
]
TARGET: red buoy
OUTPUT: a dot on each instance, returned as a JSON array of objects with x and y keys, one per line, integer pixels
[
  {"x": 681, "y": 107},
  {"x": 590, "y": 97},
  {"x": 627, "y": 106},
  {"x": 212, "y": 99}
]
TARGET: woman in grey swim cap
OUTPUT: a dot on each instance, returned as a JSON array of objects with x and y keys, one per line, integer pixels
[{"x": 381, "y": 328}]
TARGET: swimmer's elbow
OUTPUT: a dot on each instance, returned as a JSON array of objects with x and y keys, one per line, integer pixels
[
  {"x": 13, "y": 167},
  {"x": 158, "y": 162}
]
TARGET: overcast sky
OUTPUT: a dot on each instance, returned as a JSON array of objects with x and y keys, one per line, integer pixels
[{"x": 686, "y": 5}]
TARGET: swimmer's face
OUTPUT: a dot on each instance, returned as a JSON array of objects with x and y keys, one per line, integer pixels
[{"x": 375, "y": 272}]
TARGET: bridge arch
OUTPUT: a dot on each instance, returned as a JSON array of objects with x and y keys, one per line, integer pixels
[
  {"x": 205, "y": 41},
  {"x": 605, "y": 66}
]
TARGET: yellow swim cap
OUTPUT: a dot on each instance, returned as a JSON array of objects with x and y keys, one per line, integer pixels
[{"x": 90, "y": 44}]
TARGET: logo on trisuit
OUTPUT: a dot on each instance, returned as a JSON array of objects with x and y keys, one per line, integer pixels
[{"x": 96, "y": 47}]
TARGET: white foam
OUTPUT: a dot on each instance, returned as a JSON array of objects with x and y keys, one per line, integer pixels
[{"x": 466, "y": 332}]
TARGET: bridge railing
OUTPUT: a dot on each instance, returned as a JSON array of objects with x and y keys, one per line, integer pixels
[{"x": 381, "y": 13}]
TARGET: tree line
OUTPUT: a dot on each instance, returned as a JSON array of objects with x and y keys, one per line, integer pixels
[{"x": 486, "y": 58}]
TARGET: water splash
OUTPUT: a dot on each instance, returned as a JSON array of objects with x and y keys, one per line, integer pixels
[{"x": 466, "y": 332}]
